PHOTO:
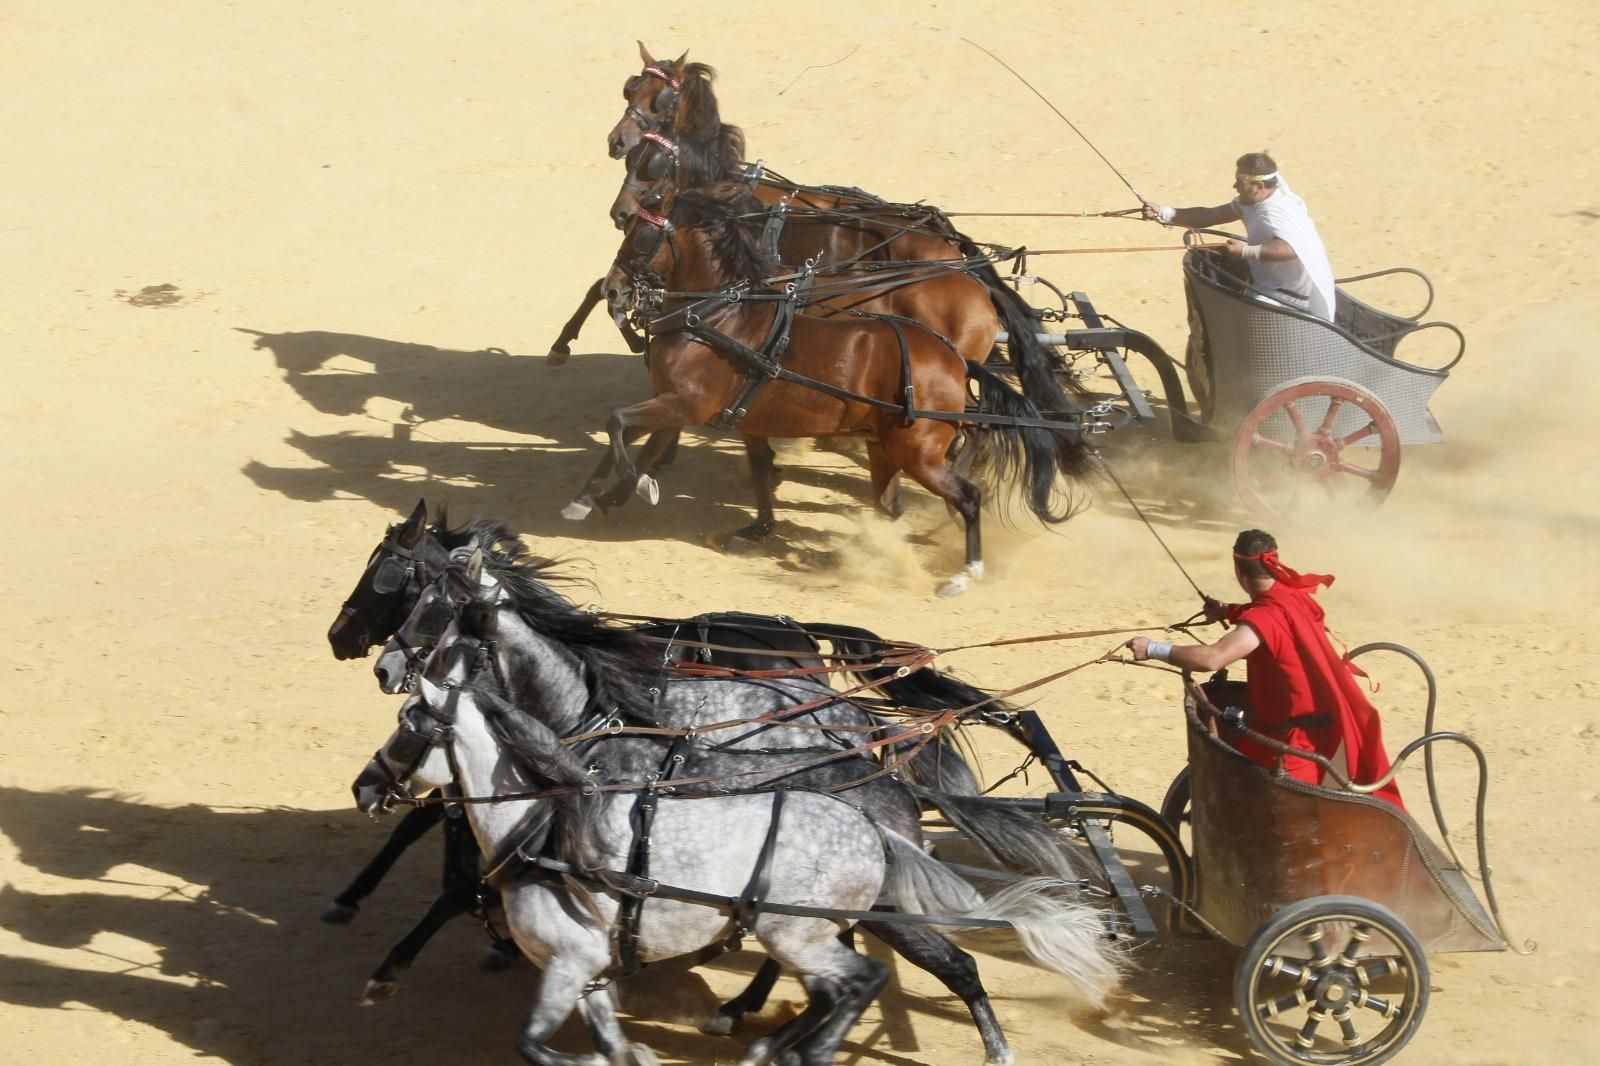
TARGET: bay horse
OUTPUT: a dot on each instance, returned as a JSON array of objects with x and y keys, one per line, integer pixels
[
  {"x": 896, "y": 383},
  {"x": 671, "y": 107},
  {"x": 527, "y": 659}
]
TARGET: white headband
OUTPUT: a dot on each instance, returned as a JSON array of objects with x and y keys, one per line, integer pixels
[{"x": 1260, "y": 177}]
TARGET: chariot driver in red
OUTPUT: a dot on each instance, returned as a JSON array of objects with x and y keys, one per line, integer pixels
[{"x": 1302, "y": 692}]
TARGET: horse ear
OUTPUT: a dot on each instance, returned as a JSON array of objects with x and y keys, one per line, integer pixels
[
  {"x": 644, "y": 54},
  {"x": 411, "y": 532},
  {"x": 677, "y": 64},
  {"x": 475, "y": 566}
]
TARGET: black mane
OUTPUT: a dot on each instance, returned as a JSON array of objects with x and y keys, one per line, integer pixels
[
  {"x": 618, "y": 663},
  {"x": 490, "y": 534},
  {"x": 724, "y": 213}
]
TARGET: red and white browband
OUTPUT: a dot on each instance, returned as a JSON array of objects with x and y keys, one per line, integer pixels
[{"x": 670, "y": 78}]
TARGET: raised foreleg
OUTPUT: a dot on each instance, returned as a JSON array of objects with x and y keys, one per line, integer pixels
[
  {"x": 666, "y": 411},
  {"x": 417, "y": 821},
  {"x": 561, "y": 350}
]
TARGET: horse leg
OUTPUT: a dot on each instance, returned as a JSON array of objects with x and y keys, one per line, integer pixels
[
  {"x": 750, "y": 1001},
  {"x": 840, "y": 982},
  {"x": 758, "y": 451},
  {"x": 662, "y": 444},
  {"x": 659, "y": 412},
  {"x": 560, "y": 986},
  {"x": 417, "y": 821},
  {"x": 885, "y": 481},
  {"x": 385, "y": 980},
  {"x": 919, "y": 450},
  {"x": 463, "y": 878},
  {"x": 956, "y": 970},
  {"x": 595, "y": 494},
  {"x": 598, "y": 1009},
  {"x": 561, "y": 350}
]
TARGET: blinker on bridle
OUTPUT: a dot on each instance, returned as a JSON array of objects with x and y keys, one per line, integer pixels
[
  {"x": 410, "y": 746},
  {"x": 662, "y": 104}
]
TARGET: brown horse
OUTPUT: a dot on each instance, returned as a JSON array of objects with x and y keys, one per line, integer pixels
[
  {"x": 897, "y": 383},
  {"x": 903, "y": 260}
]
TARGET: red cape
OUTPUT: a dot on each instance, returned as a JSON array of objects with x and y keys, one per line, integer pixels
[{"x": 1296, "y": 672}]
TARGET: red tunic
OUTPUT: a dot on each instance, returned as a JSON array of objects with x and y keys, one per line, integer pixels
[{"x": 1304, "y": 694}]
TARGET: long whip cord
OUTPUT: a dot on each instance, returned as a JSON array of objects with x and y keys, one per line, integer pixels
[{"x": 1059, "y": 115}]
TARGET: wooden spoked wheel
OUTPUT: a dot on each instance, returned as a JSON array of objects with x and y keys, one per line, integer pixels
[
  {"x": 1331, "y": 981},
  {"x": 1313, "y": 443}
]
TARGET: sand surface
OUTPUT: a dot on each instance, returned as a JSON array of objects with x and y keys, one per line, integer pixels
[{"x": 374, "y": 218}]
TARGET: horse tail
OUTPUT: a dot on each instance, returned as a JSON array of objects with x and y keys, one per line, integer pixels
[
  {"x": 1061, "y": 934},
  {"x": 1013, "y": 840},
  {"x": 1029, "y": 453},
  {"x": 1035, "y": 363}
]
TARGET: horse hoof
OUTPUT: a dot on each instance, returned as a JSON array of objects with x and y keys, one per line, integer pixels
[
  {"x": 339, "y": 914},
  {"x": 558, "y": 355},
  {"x": 577, "y": 510},
  {"x": 649, "y": 489},
  {"x": 955, "y": 586},
  {"x": 495, "y": 960},
  {"x": 378, "y": 992},
  {"x": 751, "y": 540},
  {"x": 720, "y": 1024},
  {"x": 635, "y": 1055}
]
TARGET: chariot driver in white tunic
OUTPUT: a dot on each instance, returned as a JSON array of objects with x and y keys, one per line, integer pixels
[{"x": 1282, "y": 248}]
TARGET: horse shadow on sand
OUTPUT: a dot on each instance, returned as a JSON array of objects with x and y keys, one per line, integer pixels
[
  {"x": 227, "y": 902},
  {"x": 524, "y": 482}
]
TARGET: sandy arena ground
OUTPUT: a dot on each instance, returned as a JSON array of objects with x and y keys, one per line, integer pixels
[{"x": 373, "y": 218}]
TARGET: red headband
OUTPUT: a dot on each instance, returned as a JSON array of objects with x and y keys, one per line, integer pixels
[{"x": 1293, "y": 578}]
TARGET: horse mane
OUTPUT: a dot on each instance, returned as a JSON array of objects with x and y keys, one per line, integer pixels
[
  {"x": 705, "y": 161},
  {"x": 698, "y": 113},
  {"x": 618, "y": 663},
  {"x": 492, "y": 535},
  {"x": 536, "y": 746},
  {"x": 722, "y": 212}
]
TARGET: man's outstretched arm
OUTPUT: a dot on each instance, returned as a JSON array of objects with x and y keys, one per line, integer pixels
[{"x": 1240, "y": 641}]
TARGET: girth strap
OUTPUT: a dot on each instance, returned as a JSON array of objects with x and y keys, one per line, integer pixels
[
  {"x": 644, "y": 816},
  {"x": 748, "y": 904}
]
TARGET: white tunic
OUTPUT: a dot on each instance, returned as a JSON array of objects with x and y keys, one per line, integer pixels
[{"x": 1309, "y": 276}]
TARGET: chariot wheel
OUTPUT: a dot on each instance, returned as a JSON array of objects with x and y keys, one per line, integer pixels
[
  {"x": 1315, "y": 442},
  {"x": 1331, "y": 981},
  {"x": 1175, "y": 809}
]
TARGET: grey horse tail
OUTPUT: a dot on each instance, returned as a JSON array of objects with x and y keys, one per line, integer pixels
[{"x": 1060, "y": 933}]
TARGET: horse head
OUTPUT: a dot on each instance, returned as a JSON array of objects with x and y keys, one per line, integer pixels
[
  {"x": 452, "y": 624},
  {"x": 386, "y": 590},
  {"x": 702, "y": 244},
  {"x": 653, "y": 96}
]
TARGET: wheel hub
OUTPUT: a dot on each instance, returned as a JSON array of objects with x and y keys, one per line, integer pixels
[
  {"x": 1315, "y": 455},
  {"x": 1333, "y": 990}
]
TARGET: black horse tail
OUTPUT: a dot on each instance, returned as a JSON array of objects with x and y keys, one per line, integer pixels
[
  {"x": 1017, "y": 842},
  {"x": 1036, "y": 364},
  {"x": 1029, "y": 454}
]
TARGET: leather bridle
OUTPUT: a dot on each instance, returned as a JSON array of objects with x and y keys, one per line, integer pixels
[{"x": 663, "y": 106}]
